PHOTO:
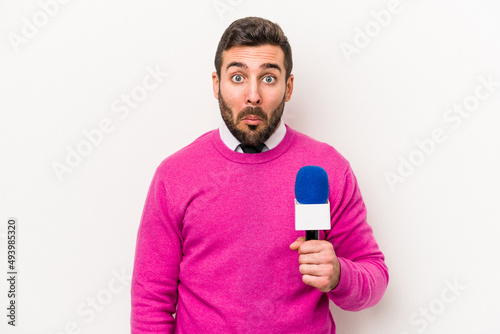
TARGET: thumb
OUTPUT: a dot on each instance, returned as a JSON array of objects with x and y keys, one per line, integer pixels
[{"x": 296, "y": 244}]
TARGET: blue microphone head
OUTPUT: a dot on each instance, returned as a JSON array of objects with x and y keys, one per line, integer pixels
[{"x": 311, "y": 185}]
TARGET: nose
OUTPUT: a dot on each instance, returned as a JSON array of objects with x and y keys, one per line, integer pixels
[{"x": 253, "y": 94}]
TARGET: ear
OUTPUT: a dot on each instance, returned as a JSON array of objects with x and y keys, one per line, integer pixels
[
  {"x": 289, "y": 88},
  {"x": 215, "y": 84}
]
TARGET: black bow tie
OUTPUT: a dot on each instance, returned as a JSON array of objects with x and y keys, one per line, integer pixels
[{"x": 252, "y": 149}]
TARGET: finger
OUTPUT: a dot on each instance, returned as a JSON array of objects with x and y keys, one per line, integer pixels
[
  {"x": 316, "y": 270},
  {"x": 296, "y": 244},
  {"x": 324, "y": 257},
  {"x": 314, "y": 246},
  {"x": 321, "y": 283}
]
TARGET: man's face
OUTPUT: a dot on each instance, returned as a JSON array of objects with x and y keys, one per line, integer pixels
[{"x": 252, "y": 91}]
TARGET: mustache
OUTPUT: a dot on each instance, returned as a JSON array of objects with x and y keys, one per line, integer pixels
[{"x": 256, "y": 111}]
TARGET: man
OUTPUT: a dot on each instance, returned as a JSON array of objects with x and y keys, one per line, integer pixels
[{"x": 217, "y": 250}]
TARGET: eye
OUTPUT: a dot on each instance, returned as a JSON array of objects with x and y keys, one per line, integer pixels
[
  {"x": 237, "y": 78},
  {"x": 269, "y": 79}
]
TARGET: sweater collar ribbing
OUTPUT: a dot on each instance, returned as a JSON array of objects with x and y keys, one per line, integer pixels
[{"x": 253, "y": 158}]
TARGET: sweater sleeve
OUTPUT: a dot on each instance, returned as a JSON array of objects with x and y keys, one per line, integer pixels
[
  {"x": 156, "y": 267},
  {"x": 363, "y": 273}
]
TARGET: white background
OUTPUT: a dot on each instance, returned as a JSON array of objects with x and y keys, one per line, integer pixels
[{"x": 438, "y": 225}]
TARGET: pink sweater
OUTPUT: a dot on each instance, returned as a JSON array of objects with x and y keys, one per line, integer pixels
[{"x": 213, "y": 243}]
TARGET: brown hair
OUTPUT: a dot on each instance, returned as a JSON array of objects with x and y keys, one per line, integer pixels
[{"x": 254, "y": 31}]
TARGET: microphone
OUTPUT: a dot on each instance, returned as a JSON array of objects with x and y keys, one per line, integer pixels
[{"x": 312, "y": 208}]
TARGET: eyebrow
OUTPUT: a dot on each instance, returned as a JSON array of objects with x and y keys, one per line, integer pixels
[{"x": 263, "y": 66}]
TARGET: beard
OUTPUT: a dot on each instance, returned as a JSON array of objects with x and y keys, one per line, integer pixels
[{"x": 249, "y": 134}]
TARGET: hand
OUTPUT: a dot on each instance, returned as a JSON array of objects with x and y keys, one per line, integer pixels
[{"x": 317, "y": 263}]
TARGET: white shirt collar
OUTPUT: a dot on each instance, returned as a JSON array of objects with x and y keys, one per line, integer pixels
[{"x": 227, "y": 138}]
